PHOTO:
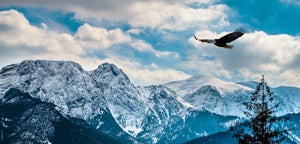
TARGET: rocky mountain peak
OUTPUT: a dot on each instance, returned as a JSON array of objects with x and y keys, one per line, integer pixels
[
  {"x": 107, "y": 100},
  {"x": 107, "y": 67},
  {"x": 109, "y": 73}
]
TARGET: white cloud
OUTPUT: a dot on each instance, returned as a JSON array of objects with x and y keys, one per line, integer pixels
[
  {"x": 281, "y": 49},
  {"x": 248, "y": 74},
  {"x": 253, "y": 54},
  {"x": 99, "y": 38},
  {"x": 134, "y": 31},
  {"x": 224, "y": 74},
  {"x": 94, "y": 38},
  {"x": 163, "y": 14},
  {"x": 12, "y": 23},
  {"x": 147, "y": 74},
  {"x": 175, "y": 16},
  {"x": 256, "y": 53},
  {"x": 293, "y": 2},
  {"x": 288, "y": 77},
  {"x": 18, "y": 33},
  {"x": 269, "y": 67},
  {"x": 19, "y": 40},
  {"x": 142, "y": 46}
]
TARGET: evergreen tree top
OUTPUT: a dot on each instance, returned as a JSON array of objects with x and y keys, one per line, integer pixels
[{"x": 260, "y": 128}]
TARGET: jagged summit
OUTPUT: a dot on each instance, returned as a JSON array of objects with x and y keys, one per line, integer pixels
[
  {"x": 75, "y": 92},
  {"x": 107, "y": 67},
  {"x": 106, "y": 72},
  {"x": 46, "y": 67},
  {"x": 107, "y": 100},
  {"x": 30, "y": 66}
]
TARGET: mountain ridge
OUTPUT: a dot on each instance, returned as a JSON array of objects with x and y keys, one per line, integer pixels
[
  {"x": 29, "y": 120},
  {"x": 195, "y": 82},
  {"x": 108, "y": 101}
]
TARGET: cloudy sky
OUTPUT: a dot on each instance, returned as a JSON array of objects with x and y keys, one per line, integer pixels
[{"x": 152, "y": 40}]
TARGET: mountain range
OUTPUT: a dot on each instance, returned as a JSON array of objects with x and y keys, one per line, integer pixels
[{"x": 58, "y": 101}]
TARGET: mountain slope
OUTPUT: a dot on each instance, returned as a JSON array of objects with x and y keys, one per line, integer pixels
[
  {"x": 28, "y": 120},
  {"x": 291, "y": 93},
  {"x": 124, "y": 100},
  {"x": 107, "y": 101},
  {"x": 226, "y": 98},
  {"x": 189, "y": 85},
  {"x": 211, "y": 94},
  {"x": 162, "y": 111},
  {"x": 71, "y": 89},
  {"x": 225, "y": 137},
  {"x": 169, "y": 121}
]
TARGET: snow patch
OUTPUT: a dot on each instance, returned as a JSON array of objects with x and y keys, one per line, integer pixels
[{"x": 186, "y": 104}]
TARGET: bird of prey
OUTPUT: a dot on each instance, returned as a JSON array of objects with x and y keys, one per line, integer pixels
[{"x": 222, "y": 42}]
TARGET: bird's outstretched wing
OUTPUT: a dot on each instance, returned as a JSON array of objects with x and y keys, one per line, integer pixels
[
  {"x": 232, "y": 36},
  {"x": 203, "y": 40}
]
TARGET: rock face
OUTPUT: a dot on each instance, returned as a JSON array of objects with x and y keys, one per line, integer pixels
[
  {"x": 74, "y": 92},
  {"x": 28, "y": 120},
  {"x": 106, "y": 101},
  {"x": 122, "y": 98}
]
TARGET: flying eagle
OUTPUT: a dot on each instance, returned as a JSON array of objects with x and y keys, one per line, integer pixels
[{"x": 222, "y": 42}]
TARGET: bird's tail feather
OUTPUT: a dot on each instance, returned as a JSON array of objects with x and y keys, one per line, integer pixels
[{"x": 228, "y": 46}]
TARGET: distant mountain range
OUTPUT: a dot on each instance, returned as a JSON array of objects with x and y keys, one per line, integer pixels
[{"x": 57, "y": 101}]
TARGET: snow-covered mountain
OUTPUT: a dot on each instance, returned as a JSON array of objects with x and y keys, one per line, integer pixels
[
  {"x": 25, "y": 119},
  {"x": 226, "y": 98},
  {"x": 108, "y": 101},
  {"x": 123, "y": 99},
  {"x": 211, "y": 94},
  {"x": 192, "y": 84},
  {"x": 71, "y": 89}
]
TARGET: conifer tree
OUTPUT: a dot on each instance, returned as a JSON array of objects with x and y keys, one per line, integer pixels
[{"x": 260, "y": 128}]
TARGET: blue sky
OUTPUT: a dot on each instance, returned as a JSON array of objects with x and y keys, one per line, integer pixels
[{"x": 152, "y": 41}]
